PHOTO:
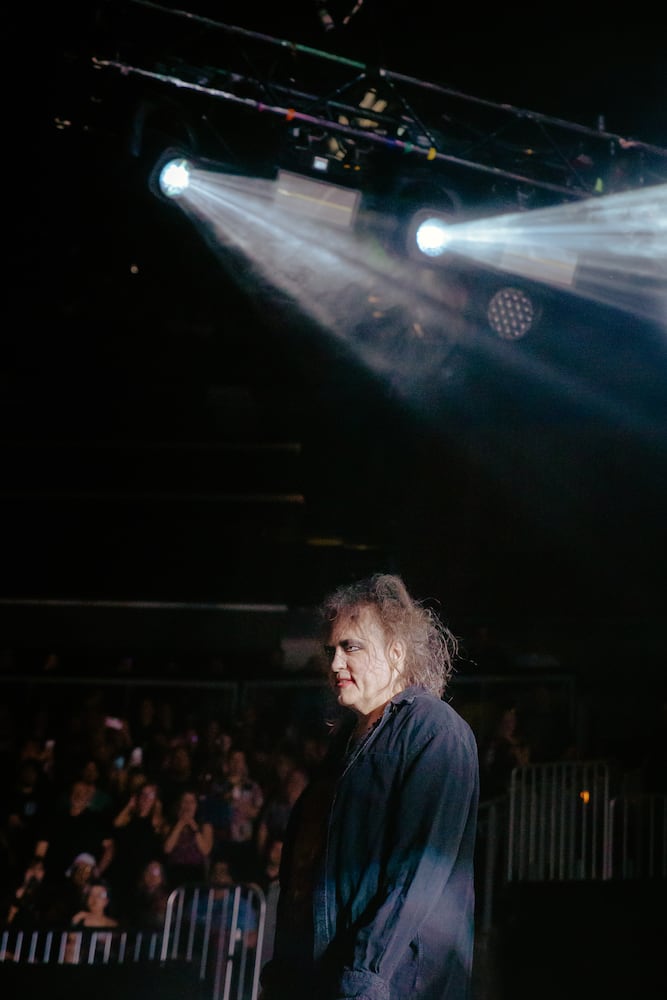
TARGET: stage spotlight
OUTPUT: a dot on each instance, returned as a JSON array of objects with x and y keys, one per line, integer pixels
[
  {"x": 428, "y": 234},
  {"x": 174, "y": 177},
  {"x": 171, "y": 173},
  {"x": 512, "y": 313},
  {"x": 432, "y": 236}
]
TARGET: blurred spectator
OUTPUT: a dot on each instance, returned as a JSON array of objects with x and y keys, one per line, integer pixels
[
  {"x": 176, "y": 776},
  {"x": 28, "y": 803},
  {"x": 26, "y": 909},
  {"x": 217, "y": 912},
  {"x": 268, "y": 871},
  {"x": 188, "y": 733},
  {"x": 100, "y": 798},
  {"x": 211, "y": 756},
  {"x": 268, "y": 880},
  {"x": 187, "y": 843},
  {"x": 138, "y": 834},
  {"x": 93, "y": 916},
  {"x": 314, "y": 747},
  {"x": 91, "y": 733},
  {"x": 94, "y": 913},
  {"x": 247, "y": 729},
  {"x": 272, "y": 822},
  {"x": 283, "y": 758},
  {"x": 152, "y": 733},
  {"x": 238, "y": 803},
  {"x": 65, "y": 897},
  {"x": 72, "y": 829},
  {"x": 146, "y": 907}
]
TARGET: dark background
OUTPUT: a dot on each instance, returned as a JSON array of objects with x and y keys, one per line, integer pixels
[{"x": 154, "y": 423}]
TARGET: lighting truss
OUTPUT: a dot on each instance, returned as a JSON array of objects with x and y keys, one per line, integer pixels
[{"x": 341, "y": 115}]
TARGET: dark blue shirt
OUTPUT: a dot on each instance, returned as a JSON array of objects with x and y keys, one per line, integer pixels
[{"x": 377, "y": 897}]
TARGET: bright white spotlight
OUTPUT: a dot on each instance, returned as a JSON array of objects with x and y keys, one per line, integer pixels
[
  {"x": 175, "y": 178},
  {"x": 433, "y": 236}
]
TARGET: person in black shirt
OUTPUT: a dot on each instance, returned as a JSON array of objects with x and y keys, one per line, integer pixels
[
  {"x": 72, "y": 830},
  {"x": 138, "y": 834}
]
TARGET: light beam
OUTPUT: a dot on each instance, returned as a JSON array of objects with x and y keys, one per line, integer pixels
[
  {"x": 400, "y": 319},
  {"x": 611, "y": 249}
]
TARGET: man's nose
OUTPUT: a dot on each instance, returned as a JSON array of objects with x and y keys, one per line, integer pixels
[{"x": 338, "y": 660}]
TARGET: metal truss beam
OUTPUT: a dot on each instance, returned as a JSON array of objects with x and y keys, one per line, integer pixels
[{"x": 348, "y": 109}]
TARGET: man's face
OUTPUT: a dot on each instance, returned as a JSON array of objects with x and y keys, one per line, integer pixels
[{"x": 365, "y": 673}]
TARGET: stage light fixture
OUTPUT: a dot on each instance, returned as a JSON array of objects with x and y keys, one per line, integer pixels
[
  {"x": 174, "y": 177},
  {"x": 170, "y": 175},
  {"x": 432, "y": 236},
  {"x": 428, "y": 235},
  {"x": 512, "y": 313}
]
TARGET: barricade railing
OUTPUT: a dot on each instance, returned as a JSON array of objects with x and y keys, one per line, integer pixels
[
  {"x": 84, "y": 946},
  {"x": 563, "y": 824},
  {"x": 637, "y": 837},
  {"x": 558, "y": 824},
  {"x": 215, "y": 937},
  {"x": 219, "y": 934}
]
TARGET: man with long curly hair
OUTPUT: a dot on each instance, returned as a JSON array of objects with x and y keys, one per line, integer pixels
[{"x": 376, "y": 888}]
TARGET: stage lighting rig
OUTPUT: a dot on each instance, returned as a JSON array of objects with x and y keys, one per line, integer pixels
[
  {"x": 457, "y": 181},
  {"x": 323, "y": 113}
]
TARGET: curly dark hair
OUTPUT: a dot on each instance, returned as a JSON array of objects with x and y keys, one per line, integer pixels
[{"x": 429, "y": 645}]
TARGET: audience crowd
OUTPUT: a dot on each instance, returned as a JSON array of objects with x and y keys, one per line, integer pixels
[
  {"x": 106, "y": 808},
  {"x": 100, "y": 824}
]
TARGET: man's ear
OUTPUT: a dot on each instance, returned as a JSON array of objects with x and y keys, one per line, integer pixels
[{"x": 397, "y": 654}]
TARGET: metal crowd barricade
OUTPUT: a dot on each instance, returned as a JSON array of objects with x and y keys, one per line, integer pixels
[
  {"x": 558, "y": 826},
  {"x": 213, "y": 938},
  {"x": 638, "y": 837},
  {"x": 80, "y": 947},
  {"x": 219, "y": 935}
]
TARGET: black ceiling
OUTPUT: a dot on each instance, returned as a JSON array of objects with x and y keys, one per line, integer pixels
[{"x": 172, "y": 439}]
